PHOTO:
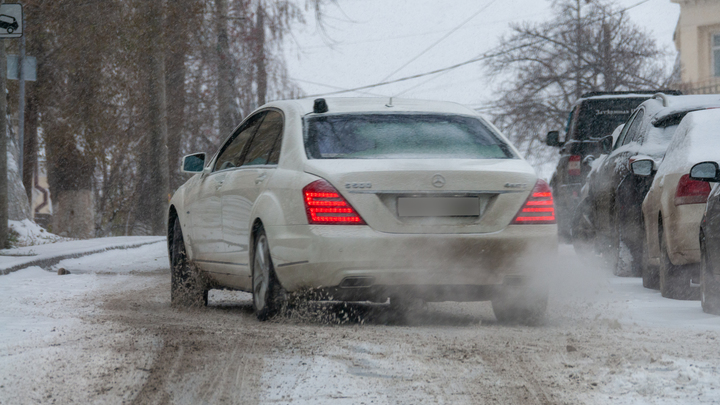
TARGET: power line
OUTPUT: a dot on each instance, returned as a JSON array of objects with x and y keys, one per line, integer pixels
[
  {"x": 406, "y": 78},
  {"x": 439, "y": 40},
  {"x": 420, "y": 34},
  {"x": 467, "y": 62},
  {"x": 333, "y": 87}
]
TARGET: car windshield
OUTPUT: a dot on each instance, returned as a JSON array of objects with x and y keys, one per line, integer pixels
[{"x": 401, "y": 136}]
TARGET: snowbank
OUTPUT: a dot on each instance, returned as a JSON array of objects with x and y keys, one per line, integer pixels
[
  {"x": 48, "y": 255},
  {"x": 31, "y": 234}
]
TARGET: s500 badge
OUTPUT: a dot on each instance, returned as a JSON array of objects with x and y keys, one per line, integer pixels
[
  {"x": 350, "y": 186},
  {"x": 515, "y": 185}
]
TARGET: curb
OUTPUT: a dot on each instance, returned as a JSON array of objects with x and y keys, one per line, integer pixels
[{"x": 48, "y": 262}]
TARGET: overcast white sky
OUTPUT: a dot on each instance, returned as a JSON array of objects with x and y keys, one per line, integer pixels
[{"x": 373, "y": 38}]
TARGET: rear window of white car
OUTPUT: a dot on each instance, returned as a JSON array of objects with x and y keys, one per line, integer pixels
[{"x": 401, "y": 136}]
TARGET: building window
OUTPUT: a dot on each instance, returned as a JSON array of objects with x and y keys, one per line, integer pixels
[{"x": 716, "y": 54}]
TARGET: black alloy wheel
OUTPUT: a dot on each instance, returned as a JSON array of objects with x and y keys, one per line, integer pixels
[
  {"x": 650, "y": 275},
  {"x": 674, "y": 279},
  {"x": 188, "y": 286},
  {"x": 268, "y": 295},
  {"x": 709, "y": 284},
  {"x": 582, "y": 230}
]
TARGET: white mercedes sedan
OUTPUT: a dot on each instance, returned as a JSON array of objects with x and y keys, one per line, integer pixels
[{"x": 364, "y": 200}]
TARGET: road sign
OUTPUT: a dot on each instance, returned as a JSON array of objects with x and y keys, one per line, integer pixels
[{"x": 11, "y": 20}]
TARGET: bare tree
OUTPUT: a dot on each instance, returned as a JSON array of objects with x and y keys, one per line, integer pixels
[
  {"x": 3, "y": 152},
  {"x": 545, "y": 67}
]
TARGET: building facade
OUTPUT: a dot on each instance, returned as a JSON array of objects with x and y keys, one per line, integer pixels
[{"x": 697, "y": 38}]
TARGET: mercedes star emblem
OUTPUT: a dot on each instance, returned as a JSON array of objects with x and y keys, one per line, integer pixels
[{"x": 438, "y": 181}]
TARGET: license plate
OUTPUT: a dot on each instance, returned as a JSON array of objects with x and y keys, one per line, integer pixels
[{"x": 438, "y": 206}]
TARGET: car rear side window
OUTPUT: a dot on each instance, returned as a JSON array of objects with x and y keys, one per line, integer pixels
[
  {"x": 401, "y": 136},
  {"x": 262, "y": 147},
  {"x": 232, "y": 152}
]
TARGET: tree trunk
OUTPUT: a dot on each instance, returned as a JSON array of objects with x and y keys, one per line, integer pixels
[
  {"x": 226, "y": 121},
  {"x": 176, "y": 35},
  {"x": 260, "y": 67},
  {"x": 3, "y": 150},
  {"x": 154, "y": 190},
  {"x": 30, "y": 149}
]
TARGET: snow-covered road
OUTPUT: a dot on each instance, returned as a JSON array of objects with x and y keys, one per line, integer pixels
[{"x": 106, "y": 334}]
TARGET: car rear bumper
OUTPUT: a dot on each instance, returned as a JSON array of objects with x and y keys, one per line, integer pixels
[
  {"x": 347, "y": 257},
  {"x": 683, "y": 233}
]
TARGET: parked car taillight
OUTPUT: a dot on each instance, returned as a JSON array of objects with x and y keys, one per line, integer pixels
[
  {"x": 574, "y": 165},
  {"x": 539, "y": 207},
  {"x": 324, "y": 205},
  {"x": 691, "y": 191}
]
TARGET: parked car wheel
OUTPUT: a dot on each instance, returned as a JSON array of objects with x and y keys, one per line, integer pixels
[
  {"x": 267, "y": 292},
  {"x": 188, "y": 287},
  {"x": 674, "y": 280},
  {"x": 583, "y": 231},
  {"x": 650, "y": 275},
  {"x": 710, "y": 286},
  {"x": 521, "y": 305}
]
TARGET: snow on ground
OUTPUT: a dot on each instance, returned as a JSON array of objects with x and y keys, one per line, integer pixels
[
  {"x": 11, "y": 259},
  {"x": 30, "y": 233},
  {"x": 119, "y": 261},
  {"x": 632, "y": 345}
]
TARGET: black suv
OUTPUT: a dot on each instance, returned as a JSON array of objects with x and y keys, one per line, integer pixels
[{"x": 594, "y": 116}]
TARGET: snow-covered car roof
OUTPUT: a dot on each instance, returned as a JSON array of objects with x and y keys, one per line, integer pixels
[
  {"x": 616, "y": 96},
  {"x": 379, "y": 104},
  {"x": 673, "y": 105},
  {"x": 697, "y": 139}
]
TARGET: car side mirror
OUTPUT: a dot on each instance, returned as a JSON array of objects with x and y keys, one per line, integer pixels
[
  {"x": 606, "y": 144},
  {"x": 642, "y": 167},
  {"x": 193, "y": 163},
  {"x": 706, "y": 171},
  {"x": 553, "y": 139}
]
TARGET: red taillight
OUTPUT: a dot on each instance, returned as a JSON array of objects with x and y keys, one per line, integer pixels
[
  {"x": 574, "y": 165},
  {"x": 324, "y": 205},
  {"x": 691, "y": 191},
  {"x": 539, "y": 207}
]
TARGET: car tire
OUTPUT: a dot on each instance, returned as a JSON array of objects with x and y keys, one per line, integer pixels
[
  {"x": 518, "y": 305},
  {"x": 674, "y": 279},
  {"x": 709, "y": 285},
  {"x": 188, "y": 286},
  {"x": 266, "y": 290},
  {"x": 650, "y": 276},
  {"x": 10, "y": 30},
  {"x": 582, "y": 230}
]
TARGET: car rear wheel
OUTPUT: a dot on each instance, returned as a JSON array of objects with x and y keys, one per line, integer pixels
[
  {"x": 583, "y": 231},
  {"x": 188, "y": 286},
  {"x": 626, "y": 253},
  {"x": 267, "y": 293},
  {"x": 710, "y": 287},
  {"x": 650, "y": 276},
  {"x": 523, "y": 305},
  {"x": 674, "y": 280}
]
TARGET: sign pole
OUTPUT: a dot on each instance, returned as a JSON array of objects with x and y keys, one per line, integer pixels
[{"x": 21, "y": 104}]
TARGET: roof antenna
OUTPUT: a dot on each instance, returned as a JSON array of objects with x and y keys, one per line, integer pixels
[
  {"x": 320, "y": 106},
  {"x": 389, "y": 104}
]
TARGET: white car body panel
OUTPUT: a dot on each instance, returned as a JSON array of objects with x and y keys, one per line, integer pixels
[
  {"x": 695, "y": 140},
  {"x": 217, "y": 211}
]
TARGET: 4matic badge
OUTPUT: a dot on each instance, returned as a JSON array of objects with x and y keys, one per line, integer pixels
[{"x": 352, "y": 186}]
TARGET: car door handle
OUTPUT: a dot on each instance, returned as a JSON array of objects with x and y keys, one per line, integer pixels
[{"x": 260, "y": 178}]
